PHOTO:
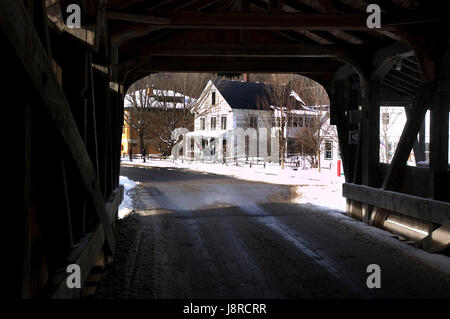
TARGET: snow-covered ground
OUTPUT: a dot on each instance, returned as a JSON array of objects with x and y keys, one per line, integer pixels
[
  {"x": 127, "y": 205},
  {"x": 319, "y": 188}
]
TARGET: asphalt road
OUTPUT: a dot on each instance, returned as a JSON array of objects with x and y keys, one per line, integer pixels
[{"x": 200, "y": 235}]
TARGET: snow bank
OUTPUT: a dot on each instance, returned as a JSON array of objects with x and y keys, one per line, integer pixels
[{"x": 127, "y": 204}]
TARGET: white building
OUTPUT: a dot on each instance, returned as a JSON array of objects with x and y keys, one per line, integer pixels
[{"x": 230, "y": 126}]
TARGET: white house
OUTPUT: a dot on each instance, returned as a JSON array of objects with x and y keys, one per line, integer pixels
[{"x": 230, "y": 126}]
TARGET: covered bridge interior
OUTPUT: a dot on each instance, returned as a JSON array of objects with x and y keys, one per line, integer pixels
[{"x": 66, "y": 87}]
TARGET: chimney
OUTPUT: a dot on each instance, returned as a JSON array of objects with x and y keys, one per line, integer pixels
[{"x": 246, "y": 77}]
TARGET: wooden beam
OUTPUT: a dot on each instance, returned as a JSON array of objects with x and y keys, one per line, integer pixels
[
  {"x": 418, "y": 148},
  {"x": 85, "y": 34},
  {"x": 338, "y": 106},
  {"x": 144, "y": 52},
  {"x": 418, "y": 207},
  {"x": 438, "y": 240},
  {"x": 439, "y": 128},
  {"x": 328, "y": 6},
  {"x": 20, "y": 31},
  {"x": 249, "y": 50},
  {"x": 399, "y": 86},
  {"x": 136, "y": 18},
  {"x": 389, "y": 99},
  {"x": 370, "y": 141},
  {"x": 230, "y": 64},
  {"x": 272, "y": 21},
  {"x": 384, "y": 59},
  {"x": 406, "y": 143}
]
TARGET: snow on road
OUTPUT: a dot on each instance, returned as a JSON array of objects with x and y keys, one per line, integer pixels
[
  {"x": 197, "y": 235},
  {"x": 318, "y": 188}
]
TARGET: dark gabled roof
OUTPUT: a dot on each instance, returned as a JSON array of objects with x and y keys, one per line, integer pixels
[{"x": 242, "y": 95}]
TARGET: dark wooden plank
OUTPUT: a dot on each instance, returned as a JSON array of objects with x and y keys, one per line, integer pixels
[
  {"x": 418, "y": 207},
  {"x": 20, "y": 31},
  {"x": 272, "y": 21},
  {"x": 93, "y": 116},
  {"x": 215, "y": 49},
  {"x": 66, "y": 201},
  {"x": 338, "y": 103},
  {"x": 215, "y": 64},
  {"x": 84, "y": 255},
  {"x": 439, "y": 129},
  {"x": 370, "y": 142}
]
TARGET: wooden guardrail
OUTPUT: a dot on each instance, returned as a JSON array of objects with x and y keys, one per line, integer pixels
[{"x": 86, "y": 251}]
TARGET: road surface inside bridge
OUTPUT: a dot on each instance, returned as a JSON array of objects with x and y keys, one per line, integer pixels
[{"x": 198, "y": 235}]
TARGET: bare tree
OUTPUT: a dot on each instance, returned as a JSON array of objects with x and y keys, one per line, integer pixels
[
  {"x": 283, "y": 96},
  {"x": 311, "y": 136},
  {"x": 137, "y": 103},
  {"x": 160, "y": 103},
  {"x": 314, "y": 127},
  {"x": 388, "y": 118}
]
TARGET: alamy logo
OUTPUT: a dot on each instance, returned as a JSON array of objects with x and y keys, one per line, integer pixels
[
  {"x": 374, "y": 279},
  {"x": 374, "y": 20},
  {"x": 74, "y": 279},
  {"x": 74, "y": 18}
]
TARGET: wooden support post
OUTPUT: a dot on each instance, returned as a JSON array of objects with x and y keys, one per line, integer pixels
[
  {"x": 370, "y": 142},
  {"x": 439, "y": 129},
  {"x": 439, "y": 239},
  {"x": 419, "y": 144},
  {"x": 93, "y": 151},
  {"x": 344, "y": 99},
  {"x": 354, "y": 101},
  {"x": 338, "y": 105},
  {"x": 101, "y": 111}
]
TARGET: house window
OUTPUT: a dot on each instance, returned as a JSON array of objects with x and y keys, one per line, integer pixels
[
  {"x": 291, "y": 146},
  {"x": 213, "y": 98},
  {"x": 308, "y": 121},
  {"x": 202, "y": 124},
  {"x": 328, "y": 150},
  {"x": 254, "y": 122},
  {"x": 213, "y": 123},
  {"x": 295, "y": 121},
  {"x": 223, "y": 123},
  {"x": 276, "y": 121}
]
